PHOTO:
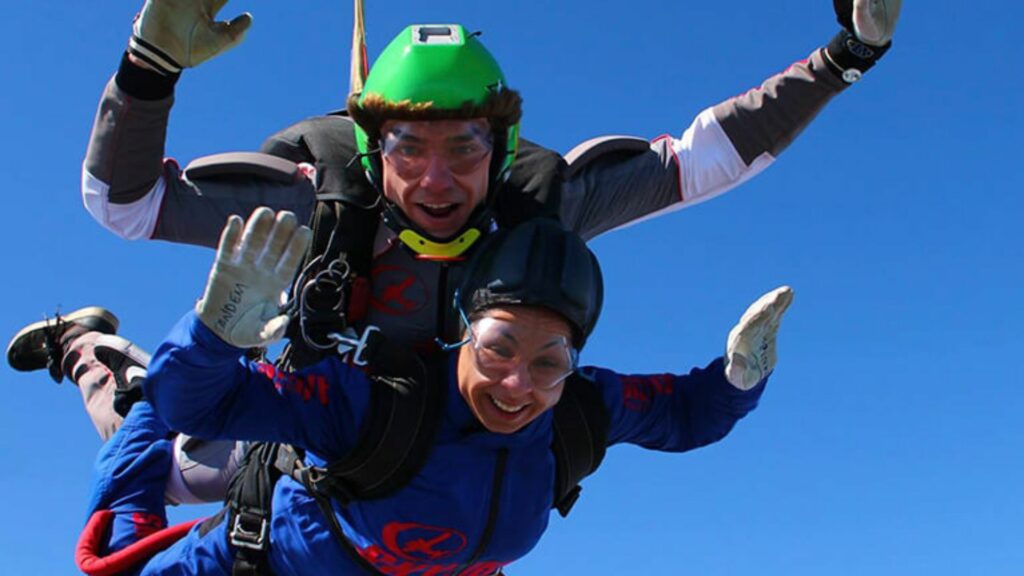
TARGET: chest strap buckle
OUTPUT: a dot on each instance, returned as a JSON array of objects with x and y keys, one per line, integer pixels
[{"x": 249, "y": 531}]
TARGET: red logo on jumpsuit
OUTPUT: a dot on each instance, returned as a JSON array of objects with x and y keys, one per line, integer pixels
[
  {"x": 417, "y": 549},
  {"x": 397, "y": 291}
]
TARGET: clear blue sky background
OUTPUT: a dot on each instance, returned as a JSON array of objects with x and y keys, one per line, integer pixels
[{"x": 889, "y": 440}]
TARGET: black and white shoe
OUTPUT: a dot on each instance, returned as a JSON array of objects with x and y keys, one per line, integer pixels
[
  {"x": 127, "y": 362},
  {"x": 42, "y": 344}
]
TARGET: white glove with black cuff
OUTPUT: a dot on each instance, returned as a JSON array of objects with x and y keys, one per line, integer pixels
[
  {"x": 750, "y": 349},
  {"x": 250, "y": 273},
  {"x": 868, "y": 26},
  {"x": 169, "y": 35}
]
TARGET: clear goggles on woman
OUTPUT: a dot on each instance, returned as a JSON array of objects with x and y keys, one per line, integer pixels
[
  {"x": 461, "y": 150},
  {"x": 501, "y": 348}
]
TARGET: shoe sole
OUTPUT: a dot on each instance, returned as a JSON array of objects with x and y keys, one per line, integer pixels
[{"x": 27, "y": 351}]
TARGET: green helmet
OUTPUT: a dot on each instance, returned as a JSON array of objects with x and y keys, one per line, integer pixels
[{"x": 436, "y": 72}]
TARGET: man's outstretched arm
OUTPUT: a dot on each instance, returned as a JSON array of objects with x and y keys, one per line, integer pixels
[
  {"x": 617, "y": 182},
  {"x": 127, "y": 184}
]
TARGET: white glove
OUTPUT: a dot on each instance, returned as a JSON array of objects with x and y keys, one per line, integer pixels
[
  {"x": 173, "y": 34},
  {"x": 873, "y": 20},
  {"x": 750, "y": 349},
  {"x": 252, "y": 269}
]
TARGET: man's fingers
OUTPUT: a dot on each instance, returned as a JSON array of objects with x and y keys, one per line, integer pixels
[
  {"x": 224, "y": 35},
  {"x": 218, "y": 37},
  {"x": 238, "y": 26},
  {"x": 874, "y": 21}
]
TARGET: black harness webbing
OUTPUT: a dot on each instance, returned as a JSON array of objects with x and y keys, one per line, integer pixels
[
  {"x": 334, "y": 285},
  {"x": 581, "y": 431},
  {"x": 405, "y": 414},
  {"x": 333, "y": 289},
  {"x": 250, "y": 498},
  {"x": 249, "y": 501}
]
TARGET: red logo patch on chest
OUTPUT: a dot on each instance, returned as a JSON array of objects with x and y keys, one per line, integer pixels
[
  {"x": 397, "y": 291},
  {"x": 419, "y": 543}
]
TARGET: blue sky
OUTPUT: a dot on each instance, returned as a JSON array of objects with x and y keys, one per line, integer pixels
[{"x": 888, "y": 441}]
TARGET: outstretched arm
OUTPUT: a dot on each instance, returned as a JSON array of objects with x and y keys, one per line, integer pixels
[
  {"x": 127, "y": 185},
  {"x": 727, "y": 144},
  {"x": 680, "y": 412}
]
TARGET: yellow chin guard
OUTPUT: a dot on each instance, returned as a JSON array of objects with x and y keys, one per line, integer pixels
[{"x": 430, "y": 250}]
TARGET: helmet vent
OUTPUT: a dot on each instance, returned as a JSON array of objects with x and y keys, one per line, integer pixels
[{"x": 434, "y": 34}]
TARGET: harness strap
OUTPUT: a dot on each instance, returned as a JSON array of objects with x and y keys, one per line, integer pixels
[
  {"x": 324, "y": 503},
  {"x": 91, "y": 541},
  {"x": 249, "y": 500},
  {"x": 406, "y": 402},
  {"x": 333, "y": 289},
  {"x": 581, "y": 432}
]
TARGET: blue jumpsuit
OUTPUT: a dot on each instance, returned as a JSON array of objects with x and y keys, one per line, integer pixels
[{"x": 433, "y": 526}]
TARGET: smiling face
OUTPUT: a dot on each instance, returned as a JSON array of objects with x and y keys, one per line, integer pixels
[
  {"x": 524, "y": 377},
  {"x": 436, "y": 172}
]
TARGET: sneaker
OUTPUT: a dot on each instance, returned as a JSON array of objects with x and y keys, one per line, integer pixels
[
  {"x": 41, "y": 344},
  {"x": 127, "y": 363}
]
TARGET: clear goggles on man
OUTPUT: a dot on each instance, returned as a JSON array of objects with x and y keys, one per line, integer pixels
[
  {"x": 501, "y": 348},
  {"x": 462, "y": 147}
]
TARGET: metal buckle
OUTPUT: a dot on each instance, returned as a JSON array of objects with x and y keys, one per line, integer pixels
[{"x": 240, "y": 537}]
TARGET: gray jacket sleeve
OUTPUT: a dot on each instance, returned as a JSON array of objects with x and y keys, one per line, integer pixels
[
  {"x": 134, "y": 192},
  {"x": 723, "y": 147}
]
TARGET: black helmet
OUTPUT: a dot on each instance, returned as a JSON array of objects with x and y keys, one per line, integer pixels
[{"x": 537, "y": 263}]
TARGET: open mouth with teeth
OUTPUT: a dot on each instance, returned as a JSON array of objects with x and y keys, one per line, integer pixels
[
  {"x": 508, "y": 408},
  {"x": 439, "y": 210}
]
